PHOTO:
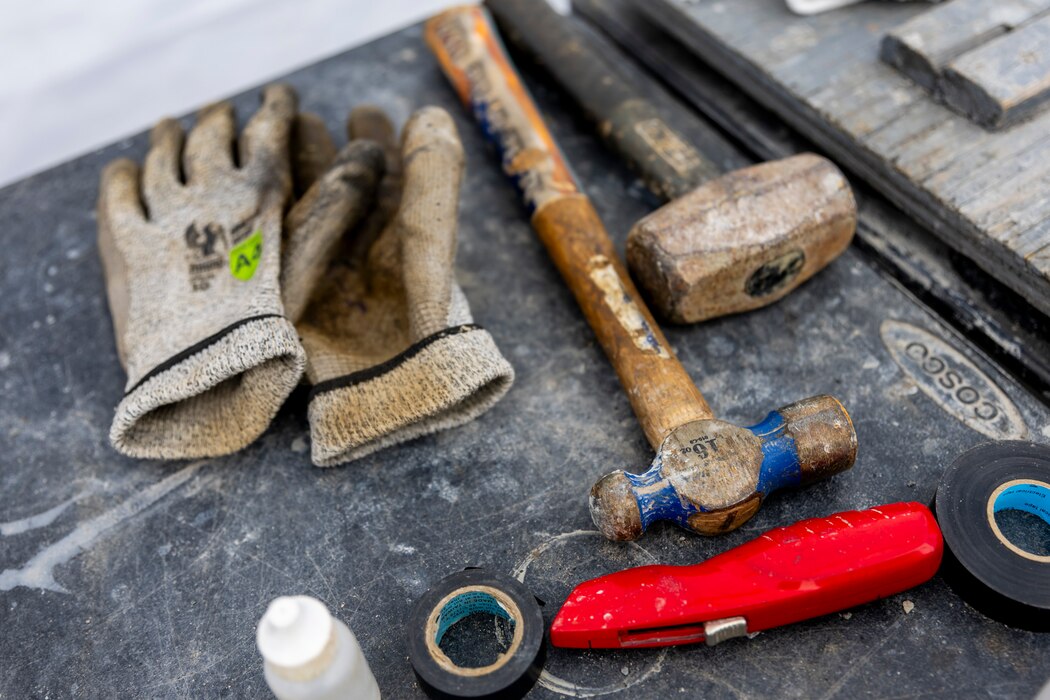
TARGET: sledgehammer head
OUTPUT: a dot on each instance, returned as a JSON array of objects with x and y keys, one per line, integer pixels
[
  {"x": 743, "y": 240},
  {"x": 710, "y": 476}
]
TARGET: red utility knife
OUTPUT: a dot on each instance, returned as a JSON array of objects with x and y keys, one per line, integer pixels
[{"x": 793, "y": 573}]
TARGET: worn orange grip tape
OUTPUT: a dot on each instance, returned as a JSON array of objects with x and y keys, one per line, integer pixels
[{"x": 661, "y": 392}]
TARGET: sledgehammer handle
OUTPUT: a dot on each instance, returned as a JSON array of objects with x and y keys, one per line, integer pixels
[
  {"x": 630, "y": 124},
  {"x": 660, "y": 390}
]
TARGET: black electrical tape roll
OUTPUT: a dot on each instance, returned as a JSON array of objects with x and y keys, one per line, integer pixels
[
  {"x": 513, "y": 674},
  {"x": 989, "y": 572}
]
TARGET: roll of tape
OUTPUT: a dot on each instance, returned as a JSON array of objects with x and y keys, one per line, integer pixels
[
  {"x": 987, "y": 570},
  {"x": 513, "y": 674}
]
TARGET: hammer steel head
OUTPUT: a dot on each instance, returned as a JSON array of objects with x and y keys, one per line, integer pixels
[
  {"x": 710, "y": 476},
  {"x": 744, "y": 240}
]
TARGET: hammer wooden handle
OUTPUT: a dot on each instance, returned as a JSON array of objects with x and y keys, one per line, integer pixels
[
  {"x": 661, "y": 392},
  {"x": 630, "y": 124}
]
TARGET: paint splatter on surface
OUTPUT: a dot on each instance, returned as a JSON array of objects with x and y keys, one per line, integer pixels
[{"x": 39, "y": 571}]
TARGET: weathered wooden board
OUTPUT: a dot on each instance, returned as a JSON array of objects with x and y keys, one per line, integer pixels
[
  {"x": 1004, "y": 81},
  {"x": 985, "y": 60},
  {"x": 924, "y": 45},
  {"x": 984, "y": 193}
]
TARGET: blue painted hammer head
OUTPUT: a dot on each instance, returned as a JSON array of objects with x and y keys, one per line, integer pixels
[{"x": 710, "y": 476}]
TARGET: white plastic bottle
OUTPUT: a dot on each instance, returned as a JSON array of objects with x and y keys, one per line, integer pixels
[{"x": 309, "y": 655}]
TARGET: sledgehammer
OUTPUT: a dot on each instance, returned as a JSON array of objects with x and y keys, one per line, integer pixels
[
  {"x": 709, "y": 476},
  {"x": 724, "y": 244}
]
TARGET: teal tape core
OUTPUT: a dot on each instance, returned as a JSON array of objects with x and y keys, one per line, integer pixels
[
  {"x": 1030, "y": 498},
  {"x": 466, "y": 604}
]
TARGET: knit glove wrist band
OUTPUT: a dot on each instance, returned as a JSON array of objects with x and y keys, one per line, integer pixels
[
  {"x": 214, "y": 400},
  {"x": 442, "y": 381}
]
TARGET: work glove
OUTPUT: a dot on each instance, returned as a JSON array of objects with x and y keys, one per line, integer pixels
[
  {"x": 392, "y": 350},
  {"x": 192, "y": 279}
]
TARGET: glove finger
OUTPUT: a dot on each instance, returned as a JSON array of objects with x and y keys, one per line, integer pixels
[
  {"x": 372, "y": 123},
  {"x": 209, "y": 147},
  {"x": 313, "y": 150},
  {"x": 265, "y": 139},
  {"x": 161, "y": 175},
  {"x": 118, "y": 209},
  {"x": 315, "y": 224},
  {"x": 118, "y": 194},
  {"x": 432, "y": 156}
]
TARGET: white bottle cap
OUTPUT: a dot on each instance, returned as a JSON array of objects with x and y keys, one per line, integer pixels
[
  {"x": 812, "y": 7},
  {"x": 294, "y": 631}
]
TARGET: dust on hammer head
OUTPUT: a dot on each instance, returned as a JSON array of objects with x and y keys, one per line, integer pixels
[
  {"x": 744, "y": 240},
  {"x": 710, "y": 476}
]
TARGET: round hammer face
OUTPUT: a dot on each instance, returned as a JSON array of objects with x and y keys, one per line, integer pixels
[
  {"x": 614, "y": 508},
  {"x": 744, "y": 240},
  {"x": 712, "y": 464}
]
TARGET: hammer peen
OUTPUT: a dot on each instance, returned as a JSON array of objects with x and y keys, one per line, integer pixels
[
  {"x": 708, "y": 475},
  {"x": 725, "y": 243}
]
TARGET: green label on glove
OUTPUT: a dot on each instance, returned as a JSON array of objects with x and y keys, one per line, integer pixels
[{"x": 245, "y": 256}]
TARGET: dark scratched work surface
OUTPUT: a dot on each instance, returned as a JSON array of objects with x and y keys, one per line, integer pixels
[{"x": 140, "y": 579}]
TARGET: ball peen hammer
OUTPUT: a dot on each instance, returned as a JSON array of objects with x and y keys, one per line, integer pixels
[
  {"x": 709, "y": 476},
  {"x": 725, "y": 243}
]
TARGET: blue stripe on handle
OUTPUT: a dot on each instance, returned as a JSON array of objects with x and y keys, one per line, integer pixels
[
  {"x": 659, "y": 500},
  {"x": 780, "y": 463}
]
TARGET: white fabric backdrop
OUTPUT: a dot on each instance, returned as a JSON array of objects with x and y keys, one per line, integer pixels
[{"x": 76, "y": 75}]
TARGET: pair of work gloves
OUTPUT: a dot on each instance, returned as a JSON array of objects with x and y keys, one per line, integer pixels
[{"x": 234, "y": 264}]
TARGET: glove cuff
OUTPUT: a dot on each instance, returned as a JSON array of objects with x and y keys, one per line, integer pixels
[
  {"x": 442, "y": 381},
  {"x": 214, "y": 398}
]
